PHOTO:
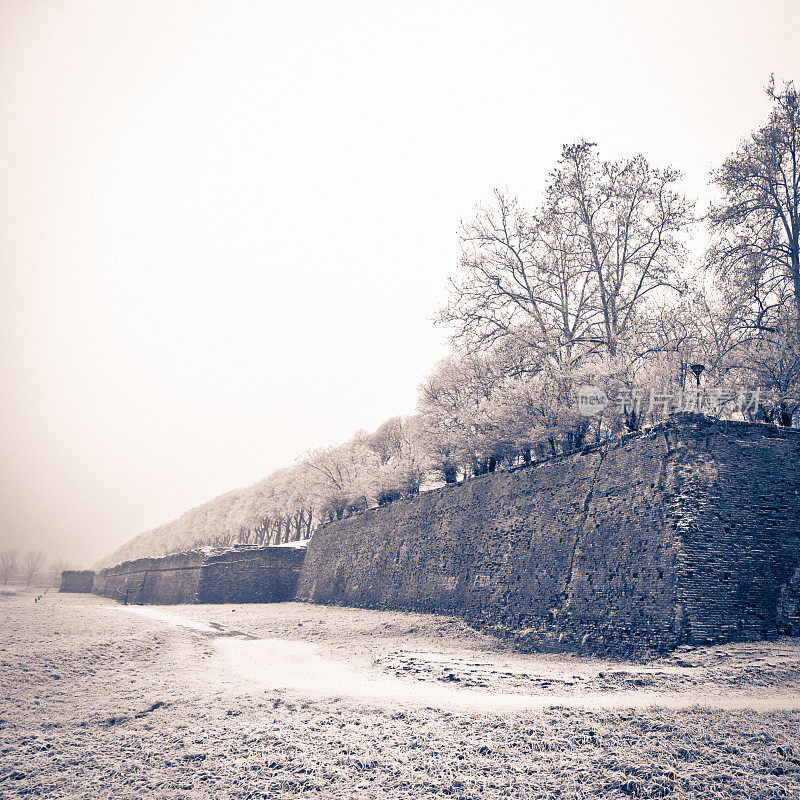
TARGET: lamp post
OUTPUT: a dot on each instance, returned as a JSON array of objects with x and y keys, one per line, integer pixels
[{"x": 698, "y": 371}]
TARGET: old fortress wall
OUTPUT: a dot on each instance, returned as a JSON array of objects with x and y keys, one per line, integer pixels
[
  {"x": 77, "y": 581},
  {"x": 688, "y": 532},
  {"x": 262, "y": 575}
]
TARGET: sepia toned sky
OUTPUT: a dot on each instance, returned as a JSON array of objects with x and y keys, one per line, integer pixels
[{"x": 225, "y": 227}]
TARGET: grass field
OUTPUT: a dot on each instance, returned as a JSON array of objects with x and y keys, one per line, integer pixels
[{"x": 97, "y": 702}]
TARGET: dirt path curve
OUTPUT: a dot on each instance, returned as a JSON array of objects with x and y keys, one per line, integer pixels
[{"x": 490, "y": 681}]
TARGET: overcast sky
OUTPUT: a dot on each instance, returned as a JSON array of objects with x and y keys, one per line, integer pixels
[{"x": 226, "y": 226}]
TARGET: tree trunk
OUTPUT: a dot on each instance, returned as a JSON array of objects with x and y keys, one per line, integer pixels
[{"x": 795, "y": 267}]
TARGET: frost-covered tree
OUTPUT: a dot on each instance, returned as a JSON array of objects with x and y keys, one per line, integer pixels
[
  {"x": 773, "y": 361},
  {"x": 32, "y": 564},
  {"x": 756, "y": 225},
  {"x": 347, "y": 476},
  {"x": 9, "y": 562},
  {"x": 404, "y": 461},
  {"x": 520, "y": 285},
  {"x": 573, "y": 277},
  {"x": 625, "y": 222},
  {"x": 450, "y": 402}
]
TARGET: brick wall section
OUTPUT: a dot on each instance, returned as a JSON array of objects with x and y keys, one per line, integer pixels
[
  {"x": 77, "y": 581},
  {"x": 739, "y": 575},
  {"x": 260, "y": 575},
  {"x": 266, "y": 575},
  {"x": 170, "y": 579},
  {"x": 688, "y": 532}
]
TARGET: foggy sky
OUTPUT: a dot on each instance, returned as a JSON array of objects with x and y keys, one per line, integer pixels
[{"x": 226, "y": 227}]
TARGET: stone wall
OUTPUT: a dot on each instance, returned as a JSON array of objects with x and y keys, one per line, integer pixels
[
  {"x": 77, "y": 580},
  {"x": 265, "y": 575},
  {"x": 689, "y": 532},
  {"x": 739, "y": 573},
  {"x": 260, "y": 575}
]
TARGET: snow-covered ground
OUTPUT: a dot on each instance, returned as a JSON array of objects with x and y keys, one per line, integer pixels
[
  {"x": 433, "y": 678},
  {"x": 102, "y": 701}
]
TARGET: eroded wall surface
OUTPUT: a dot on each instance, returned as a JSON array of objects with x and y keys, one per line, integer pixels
[
  {"x": 688, "y": 532},
  {"x": 165, "y": 580},
  {"x": 266, "y": 575},
  {"x": 233, "y": 576},
  {"x": 739, "y": 573},
  {"x": 77, "y": 581}
]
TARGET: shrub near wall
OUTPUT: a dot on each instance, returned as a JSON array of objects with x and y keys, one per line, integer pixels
[{"x": 688, "y": 532}]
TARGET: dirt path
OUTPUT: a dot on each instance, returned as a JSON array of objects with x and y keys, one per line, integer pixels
[{"x": 433, "y": 678}]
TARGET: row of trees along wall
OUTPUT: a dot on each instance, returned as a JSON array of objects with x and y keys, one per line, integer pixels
[
  {"x": 590, "y": 285},
  {"x": 689, "y": 532}
]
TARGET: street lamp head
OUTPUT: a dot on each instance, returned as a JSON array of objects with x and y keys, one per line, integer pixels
[{"x": 697, "y": 369}]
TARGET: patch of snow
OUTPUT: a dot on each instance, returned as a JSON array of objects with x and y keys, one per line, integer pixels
[
  {"x": 166, "y": 616},
  {"x": 302, "y": 667}
]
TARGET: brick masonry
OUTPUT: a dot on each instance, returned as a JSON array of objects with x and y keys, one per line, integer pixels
[
  {"x": 259, "y": 575},
  {"x": 686, "y": 533},
  {"x": 77, "y": 581}
]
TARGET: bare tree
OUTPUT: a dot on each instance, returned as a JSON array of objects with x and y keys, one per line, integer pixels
[
  {"x": 757, "y": 224},
  {"x": 403, "y": 461},
  {"x": 346, "y": 476},
  {"x": 32, "y": 564},
  {"x": 623, "y": 221},
  {"x": 56, "y": 568},
  {"x": 9, "y": 560},
  {"x": 518, "y": 282},
  {"x": 570, "y": 280}
]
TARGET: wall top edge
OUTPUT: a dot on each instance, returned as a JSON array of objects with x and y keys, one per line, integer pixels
[
  {"x": 208, "y": 554},
  {"x": 681, "y": 421}
]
